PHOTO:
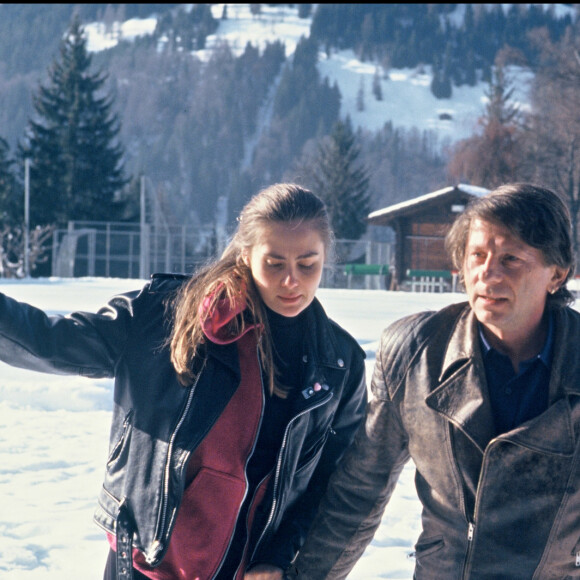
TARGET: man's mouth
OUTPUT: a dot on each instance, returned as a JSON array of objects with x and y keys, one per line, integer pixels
[{"x": 492, "y": 299}]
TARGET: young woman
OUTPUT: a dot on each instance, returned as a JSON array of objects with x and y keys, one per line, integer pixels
[{"x": 234, "y": 398}]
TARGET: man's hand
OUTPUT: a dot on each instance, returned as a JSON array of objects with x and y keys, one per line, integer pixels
[{"x": 264, "y": 572}]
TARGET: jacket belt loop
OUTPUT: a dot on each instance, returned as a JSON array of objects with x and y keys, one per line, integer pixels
[{"x": 124, "y": 543}]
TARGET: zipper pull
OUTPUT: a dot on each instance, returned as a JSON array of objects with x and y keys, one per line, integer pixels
[
  {"x": 153, "y": 554},
  {"x": 470, "y": 529},
  {"x": 577, "y": 559}
]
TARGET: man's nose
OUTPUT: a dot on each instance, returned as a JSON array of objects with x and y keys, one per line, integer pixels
[{"x": 490, "y": 268}]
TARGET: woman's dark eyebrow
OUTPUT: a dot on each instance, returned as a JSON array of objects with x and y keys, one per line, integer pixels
[{"x": 301, "y": 257}]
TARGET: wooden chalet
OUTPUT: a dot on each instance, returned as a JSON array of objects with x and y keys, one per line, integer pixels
[{"x": 420, "y": 226}]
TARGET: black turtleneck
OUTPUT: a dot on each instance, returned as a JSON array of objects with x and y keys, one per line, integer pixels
[
  {"x": 288, "y": 337},
  {"x": 288, "y": 347}
]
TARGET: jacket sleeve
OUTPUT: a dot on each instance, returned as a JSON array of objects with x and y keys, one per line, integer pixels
[
  {"x": 282, "y": 549},
  {"x": 87, "y": 344},
  {"x": 361, "y": 486}
]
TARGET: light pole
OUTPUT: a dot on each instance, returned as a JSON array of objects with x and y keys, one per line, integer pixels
[{"x": 27, "y": 218}]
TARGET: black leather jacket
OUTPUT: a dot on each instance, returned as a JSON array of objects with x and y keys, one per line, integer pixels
[
  {"x": 157, "y": 423},
  {"x": 495, "y": 507}
]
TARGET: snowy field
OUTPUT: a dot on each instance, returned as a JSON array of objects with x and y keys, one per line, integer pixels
[{"x": 54, "y": 433}]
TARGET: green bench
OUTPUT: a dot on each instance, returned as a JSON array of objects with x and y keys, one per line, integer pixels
[
  {"x": 366, "y": 269},
  {"x": 374, "y": 276}
]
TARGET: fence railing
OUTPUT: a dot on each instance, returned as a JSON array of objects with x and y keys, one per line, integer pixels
[
  {"x": 121, "y": 250},
  {"x": 129, "y": 250}
]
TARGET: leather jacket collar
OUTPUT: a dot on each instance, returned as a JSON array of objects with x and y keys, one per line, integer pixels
[{"x": 462, "y": 397}]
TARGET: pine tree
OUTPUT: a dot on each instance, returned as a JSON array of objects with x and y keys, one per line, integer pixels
[
  {"x": 360, "y": 95},
  {"x": 340, "y": 180},
  {"x": 10, "y": 201},
  {"x": 441, "y": 83},
  {"x": 377, "y": 88},
  {"x": 500, "y": 107},
  {"x": 76, "y": 158}
]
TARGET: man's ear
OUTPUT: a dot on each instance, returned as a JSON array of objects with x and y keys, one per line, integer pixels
[{"x": 558, "y": 278}]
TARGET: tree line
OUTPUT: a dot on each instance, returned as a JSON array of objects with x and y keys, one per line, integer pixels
[
  {"x": 226, "y": 128},
  {"x": 460, "y": 50}
]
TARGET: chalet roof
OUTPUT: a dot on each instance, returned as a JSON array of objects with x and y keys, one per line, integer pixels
[{"x": 385, "y": 215}]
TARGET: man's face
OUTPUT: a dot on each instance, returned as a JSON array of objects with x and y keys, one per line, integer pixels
[{"x": 507, "y": 282}]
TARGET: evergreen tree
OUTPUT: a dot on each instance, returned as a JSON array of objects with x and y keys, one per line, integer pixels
[
  {"x": 304, "y": 10},
  {"x": 377, "y": 88},
  {"x": 10, "y": 201},
  {"x": 500, "y": 107},
  {"x": 440, "y": 83},
  {"x": 76, "y": 158},
  {"x": 305, "y": 107},
  {"x": 360, "y": 95},
  {"x": 470, "y": 69},
  {"x": 339, "y": 179}
]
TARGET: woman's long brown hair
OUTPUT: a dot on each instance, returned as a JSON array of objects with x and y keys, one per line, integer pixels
[{"x": 229, "y": 277}]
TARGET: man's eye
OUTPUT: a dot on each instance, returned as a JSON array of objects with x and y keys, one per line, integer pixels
[{"x": 510, "y": 259}]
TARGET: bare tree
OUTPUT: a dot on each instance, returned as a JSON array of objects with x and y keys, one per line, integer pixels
[
  {"x": 553, "y": 136},
  {"x": 12, "y": 250},
  {"x": 493, "y": 156}
]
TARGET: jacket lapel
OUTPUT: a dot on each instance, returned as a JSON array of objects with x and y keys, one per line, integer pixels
[
  {"x": 461, "y": 395},
  {"x": 551, "y": 433}
]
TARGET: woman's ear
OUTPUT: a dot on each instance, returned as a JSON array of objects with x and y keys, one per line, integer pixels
[{"x": 246, "y": 257}]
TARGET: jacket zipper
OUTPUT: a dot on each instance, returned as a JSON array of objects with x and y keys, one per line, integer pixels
[
  {"x": 246, "y": 467},
  {"x": 471, "y": 524},
  {"x": 279, "y": 469},
  {"x": 157, "y": 545},
  {"x": 470, "y": 534}
]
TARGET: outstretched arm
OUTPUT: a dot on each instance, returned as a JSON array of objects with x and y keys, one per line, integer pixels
[{"x": 82, "y": 343}]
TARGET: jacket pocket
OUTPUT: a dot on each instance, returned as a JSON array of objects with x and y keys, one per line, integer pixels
[
  {"x": 121, "y": 446},
  {"x": 312, "y": 453},
  {"x": 427, "y": 546}
]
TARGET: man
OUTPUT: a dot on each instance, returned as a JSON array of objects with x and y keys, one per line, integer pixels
[{"x": 484, "y": 396}]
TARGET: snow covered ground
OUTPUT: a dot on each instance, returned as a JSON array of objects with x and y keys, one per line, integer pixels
[{"x": 54, "y": 436}]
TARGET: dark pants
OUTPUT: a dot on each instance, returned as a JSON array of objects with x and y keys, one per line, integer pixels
[{"x": 111, "y": 569}]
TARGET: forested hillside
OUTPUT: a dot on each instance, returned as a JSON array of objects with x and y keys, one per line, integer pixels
[{"x": 224, "y": 126}]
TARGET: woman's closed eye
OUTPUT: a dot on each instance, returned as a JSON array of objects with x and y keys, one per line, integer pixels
[
  {"x": 307, "y": 266},
  {"x": 274, "y": 265}
]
